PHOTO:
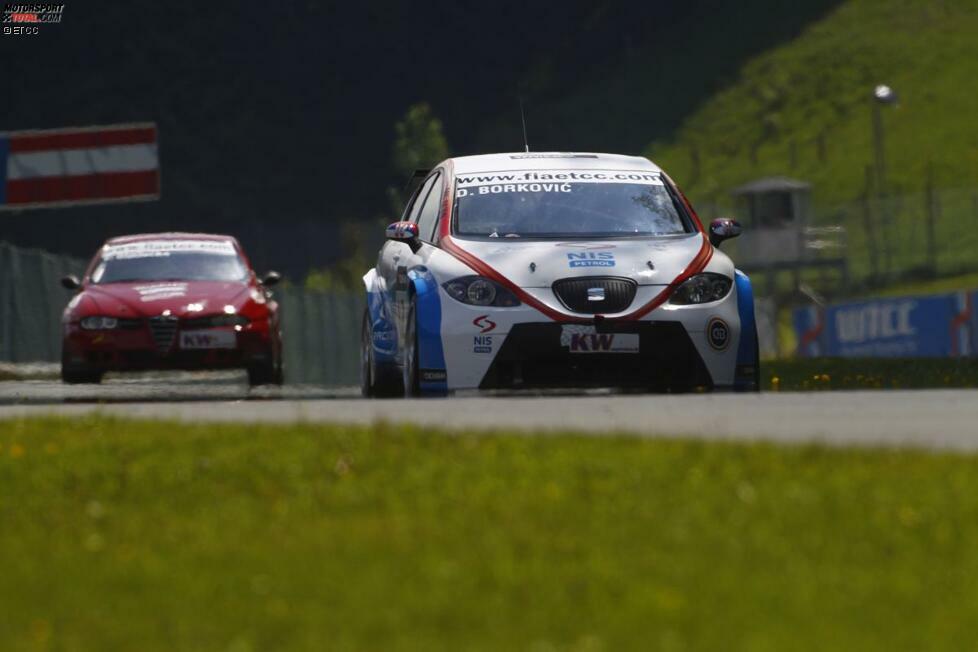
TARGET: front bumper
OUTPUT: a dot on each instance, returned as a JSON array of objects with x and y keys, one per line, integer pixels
[
  {"x": 136, "y": 350},
  {"x": 487, "y": 347},
  {"x": 532, "y": 356}
]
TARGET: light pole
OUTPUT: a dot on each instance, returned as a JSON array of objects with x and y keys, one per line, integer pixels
[{"x": 882, "y": 95}]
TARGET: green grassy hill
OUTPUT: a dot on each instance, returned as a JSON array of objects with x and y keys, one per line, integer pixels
[{"x": 804, "y": 108}]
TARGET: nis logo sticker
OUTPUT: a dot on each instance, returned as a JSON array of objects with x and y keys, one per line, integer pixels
[
  {"x": 591, "y": 259},
  {"x": 482, "y": 343}
]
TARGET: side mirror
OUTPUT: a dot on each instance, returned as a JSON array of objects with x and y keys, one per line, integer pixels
[
  {"x": 406, "y": 232},
  {"x": 723, "y": 229},
  {"x": 70, "y": 282},
  {"x": 271, "y": 278}
]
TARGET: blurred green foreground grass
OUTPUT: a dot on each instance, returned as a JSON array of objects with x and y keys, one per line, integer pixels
[{"x": 120, "y": 535}]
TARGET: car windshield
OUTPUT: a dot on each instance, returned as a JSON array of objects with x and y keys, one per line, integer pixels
[
  {"x": 186, "y": 260},
  {"x": 562, "y": 204}
]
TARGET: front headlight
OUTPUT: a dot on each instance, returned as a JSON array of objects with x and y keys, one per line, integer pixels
[
  {"x": 702, "y": 288},
  {"x": 480, "y": 291},
  {"x": 99, "y": 323}
]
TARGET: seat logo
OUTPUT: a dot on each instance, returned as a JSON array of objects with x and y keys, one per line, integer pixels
[
  {"x": 595, "y": 294},
  {"x": 484, "y": 323}
]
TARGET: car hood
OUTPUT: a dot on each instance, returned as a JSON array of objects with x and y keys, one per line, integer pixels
[
  {"x": 146, "y": 299},
  {"x": 537, "y": 264}
]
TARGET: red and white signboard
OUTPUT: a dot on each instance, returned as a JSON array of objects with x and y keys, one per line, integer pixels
[{"x": 90, "y": 165}]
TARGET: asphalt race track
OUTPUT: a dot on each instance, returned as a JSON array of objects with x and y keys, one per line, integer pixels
[
  {"x": 160, "y": 387},
  {"x": 940, "y": 419}
]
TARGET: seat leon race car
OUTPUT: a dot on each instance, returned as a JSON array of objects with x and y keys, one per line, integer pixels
[
  {"x": 171, "y": 301},
  {"x": 541, "y": 270}
]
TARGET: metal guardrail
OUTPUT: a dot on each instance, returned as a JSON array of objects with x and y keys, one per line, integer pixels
[
  {"x": 321, "y": 335},
  {"x": 31, "y": 303}
]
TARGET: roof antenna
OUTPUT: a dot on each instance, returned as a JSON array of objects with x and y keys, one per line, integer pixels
[{"x": 526, "y": 143}]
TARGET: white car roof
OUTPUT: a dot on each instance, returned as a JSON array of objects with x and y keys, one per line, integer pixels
[{"x": 551, "y": 161}]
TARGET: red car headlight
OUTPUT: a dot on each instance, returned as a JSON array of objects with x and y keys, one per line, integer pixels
[{"x": 99, "y": 323}]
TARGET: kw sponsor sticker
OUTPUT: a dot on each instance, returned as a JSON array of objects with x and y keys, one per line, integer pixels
[
  {"x": 209, "y": 339},
  {"x": 591, "y": 259},
  {"x": 585, "y": 339}
]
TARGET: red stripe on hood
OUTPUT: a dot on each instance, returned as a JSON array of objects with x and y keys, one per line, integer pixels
[
  {"x": 484, "y": 269},
  {"x": 697, "y": 265}
]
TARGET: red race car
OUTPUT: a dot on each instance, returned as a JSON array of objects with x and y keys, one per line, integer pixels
[{"x": 171, "y": 301}]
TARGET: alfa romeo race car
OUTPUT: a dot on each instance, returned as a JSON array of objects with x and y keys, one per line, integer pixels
[
  {"x": 171, "y": 301},
  {"x": 541, "y": 270}
]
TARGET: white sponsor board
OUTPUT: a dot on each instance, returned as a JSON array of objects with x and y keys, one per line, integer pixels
[
  {"x": 208, "y": 339},
  {"x": 152, "y": 248},
  {"x": 159, "y": 291}
]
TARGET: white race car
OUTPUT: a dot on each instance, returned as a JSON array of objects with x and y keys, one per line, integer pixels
[{"x": 555, "y": 270}]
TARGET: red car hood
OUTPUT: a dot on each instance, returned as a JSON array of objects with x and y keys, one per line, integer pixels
[{"x": 146, "y": 299}]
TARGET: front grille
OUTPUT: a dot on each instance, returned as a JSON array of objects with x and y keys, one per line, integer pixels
[
  {"x": 574, "y": 293},
  {"x": 533, "y": 356},
  {"x": 164, "y": 329}
]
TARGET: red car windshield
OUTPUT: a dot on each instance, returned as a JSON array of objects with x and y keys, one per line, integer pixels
[{"x": 189, "y": 260}]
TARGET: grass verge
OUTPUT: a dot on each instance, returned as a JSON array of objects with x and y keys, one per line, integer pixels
[
  {"x": 154, "y": 536},
  {"x": 808, "y": 374}
]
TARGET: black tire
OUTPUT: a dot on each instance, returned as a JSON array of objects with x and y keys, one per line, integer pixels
[
  {"x": 757, "y": 361},
  {"x": 409, "y": 368},
  {"x": 755, "y": 385},
  {"x": 279, "y": 375},
  {"x": 260, "y": 375},
  {"x": 375, "y": 381},
  {"x": 80, "y": 376},
  {"x": 269, "y": 373}
]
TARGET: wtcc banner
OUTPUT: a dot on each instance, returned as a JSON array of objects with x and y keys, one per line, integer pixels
[
  {"x": 89, "y": 165},
  {"x": 932, "y": 326}
]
